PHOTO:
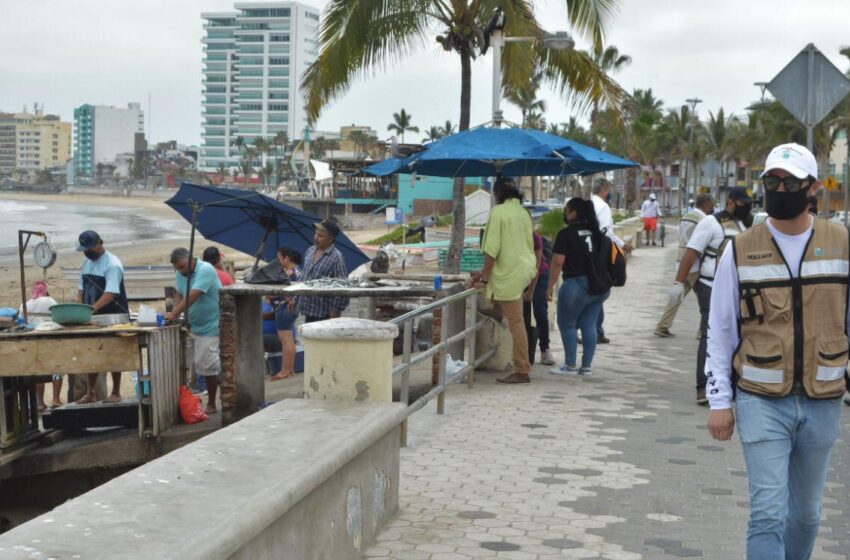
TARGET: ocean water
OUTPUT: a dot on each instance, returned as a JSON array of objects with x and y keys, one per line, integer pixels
[{"x": 64, "y": 221}]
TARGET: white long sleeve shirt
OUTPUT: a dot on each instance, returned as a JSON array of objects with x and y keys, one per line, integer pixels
[
  {"x": 606, "y": 222},
  {"x": 725, "y": 309}
]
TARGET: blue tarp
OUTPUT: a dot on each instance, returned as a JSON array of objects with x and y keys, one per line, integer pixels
[{"x": 241, "y": 219}]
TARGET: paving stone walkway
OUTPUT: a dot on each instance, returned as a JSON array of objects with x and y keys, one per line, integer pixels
[{"x": 616, "y": 466}]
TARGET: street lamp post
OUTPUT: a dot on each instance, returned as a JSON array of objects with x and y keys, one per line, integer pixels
[{"x": 559, "y": 41}]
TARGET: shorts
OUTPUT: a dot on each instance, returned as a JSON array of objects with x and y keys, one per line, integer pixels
[
  {"x": 284, "y": 319},
  {"x": 650, "y": 224},
  {"x": 206, "y": 358}
]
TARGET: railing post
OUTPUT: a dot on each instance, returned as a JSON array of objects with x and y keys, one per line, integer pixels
[
  {"x": 472, "y": 321},
  {"x": 441, "y": 375},
  {"x": 404, "y": 395}
]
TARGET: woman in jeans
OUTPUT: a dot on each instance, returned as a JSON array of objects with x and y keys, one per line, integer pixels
[
  {"x": 285, "y": 314},
  {"x": 576, "y": 307}
]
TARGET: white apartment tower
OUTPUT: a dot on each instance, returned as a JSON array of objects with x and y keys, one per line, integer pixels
[{"x": 254, "y": 59}]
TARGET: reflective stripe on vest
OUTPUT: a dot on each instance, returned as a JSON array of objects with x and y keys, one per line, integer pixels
[{"x": 784, "y": 344}]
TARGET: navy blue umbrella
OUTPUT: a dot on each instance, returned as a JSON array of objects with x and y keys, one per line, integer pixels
[
  {"x": 253, "y": 223},
  {"x": 486, "y": 152}
]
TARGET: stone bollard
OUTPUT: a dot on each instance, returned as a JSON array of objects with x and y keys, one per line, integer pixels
[{"x": 348, "y": 359}]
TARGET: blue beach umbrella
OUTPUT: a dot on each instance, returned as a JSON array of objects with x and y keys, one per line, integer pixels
[
  {"x": 253, "y": 223},
  {"x": 483, "y": 152}
]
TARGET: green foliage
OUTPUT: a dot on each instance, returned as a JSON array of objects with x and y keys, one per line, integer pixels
[
  {"x": 617, "y": 218},
  {"x": 551, "y": 223},
  {"x": 397, "y": 235}
]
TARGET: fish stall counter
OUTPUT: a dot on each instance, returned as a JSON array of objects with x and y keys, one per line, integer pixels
[
  {"x": 28, "y": 357},
  {"x": 242, "y": 384}
]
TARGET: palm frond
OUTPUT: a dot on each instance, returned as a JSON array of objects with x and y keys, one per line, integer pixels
[
  {"x": 590, "y": 18},
  {"x": 358, "y": 35},
  {"x": 580, "y": 82}
]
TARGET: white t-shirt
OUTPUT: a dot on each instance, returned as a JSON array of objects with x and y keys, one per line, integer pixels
[
  {"x": 725, "y": 309},
  {"x": 40, "y": 305},
  {"x": 649, "y": 209},
  {"x": 710, "y": 234},
  {"x": 606, "y": 222},
  {"x": 686, "y": 230}
]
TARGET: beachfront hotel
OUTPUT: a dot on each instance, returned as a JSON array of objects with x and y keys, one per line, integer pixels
[
  {"x": 103, "y": 132},
  {"x": 30, "y": 142},
  {"x": 254, "y": 58}
]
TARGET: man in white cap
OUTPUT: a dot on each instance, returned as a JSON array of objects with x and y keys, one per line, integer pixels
[
  {"x": 649, "y": 213},
  {"x": 778, "y": 334}
]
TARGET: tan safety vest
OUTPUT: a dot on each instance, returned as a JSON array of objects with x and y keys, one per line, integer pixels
[{"x": 792, "y": 330}]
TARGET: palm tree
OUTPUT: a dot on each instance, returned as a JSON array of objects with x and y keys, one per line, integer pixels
[
  {"x": 433, "y": 133},
  {"x": 358, "y": 35},
  {"x": 718, "y": 136},
  {"x": 610, "y": 61},
  {"x": 447, "y": 129},
  {"x": 361, "y": 140},
  {"x": 525, "y": 97},
  {"x": 402, "y": 123},
  {"x": 281, "y": 139},
  {"x": 222, "y": 171},
  {"x": 247, "y": 165}
]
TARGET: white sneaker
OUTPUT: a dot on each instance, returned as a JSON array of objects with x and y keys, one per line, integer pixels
[
  {"x": 547, "y": 359},
  {"x": 564, "y": 370},
  {"x": 585, "y": 371}
]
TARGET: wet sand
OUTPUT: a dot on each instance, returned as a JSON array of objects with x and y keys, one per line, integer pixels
[{"x": 137, "y": 252}]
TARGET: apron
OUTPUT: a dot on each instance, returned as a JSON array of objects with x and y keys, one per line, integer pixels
[{"x": 94, "y": 286}]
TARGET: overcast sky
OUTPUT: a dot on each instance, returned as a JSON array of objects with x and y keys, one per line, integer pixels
[{"x": 64, "y": 54}]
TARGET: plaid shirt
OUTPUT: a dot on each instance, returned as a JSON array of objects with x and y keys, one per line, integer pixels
[{"x": 329, "y": 265}]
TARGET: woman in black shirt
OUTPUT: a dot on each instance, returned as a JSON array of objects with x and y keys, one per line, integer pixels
[{"x": 576, "y": 307}]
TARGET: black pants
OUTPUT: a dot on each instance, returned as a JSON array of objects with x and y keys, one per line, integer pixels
[{"x": 704, "y": 300}]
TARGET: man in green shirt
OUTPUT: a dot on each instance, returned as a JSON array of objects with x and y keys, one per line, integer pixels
[{"x": 509, "y": 267}]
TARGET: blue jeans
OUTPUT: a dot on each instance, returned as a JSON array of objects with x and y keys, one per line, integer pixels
[
  {"x": 787, "y": 443},
  {"x": 539, "y": 305},
  {"x": 578, "y": 309}
]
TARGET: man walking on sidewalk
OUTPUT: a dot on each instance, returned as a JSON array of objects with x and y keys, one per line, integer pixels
[
  {"x": 779, "y": 318},
  {"x": 601, "y": 197},
  {"x": 704, "y": 207},
  {"x": 649, "y": 215},
  {"x": 509, "y": 268},
  {"x": 708, "y": 241}
]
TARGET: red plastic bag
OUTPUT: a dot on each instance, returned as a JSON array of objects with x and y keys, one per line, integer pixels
[{"x": 190, "y": 407}]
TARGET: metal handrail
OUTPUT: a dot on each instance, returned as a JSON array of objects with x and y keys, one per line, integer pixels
[{"x": 471, "y": 326}]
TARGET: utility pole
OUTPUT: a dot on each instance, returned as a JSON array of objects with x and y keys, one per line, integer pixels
[{"x": 693, "y": 103}]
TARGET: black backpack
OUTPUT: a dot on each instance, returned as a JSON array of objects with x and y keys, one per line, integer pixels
[{"x": 606, "y": 265}]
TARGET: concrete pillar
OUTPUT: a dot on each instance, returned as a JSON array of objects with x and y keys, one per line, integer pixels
[{"x": 348, "y": 359}]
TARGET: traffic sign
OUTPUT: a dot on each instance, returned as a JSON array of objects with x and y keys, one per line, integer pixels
[
  {"x": 810, "y": 86},
  {"x": 830, "y": 183}
]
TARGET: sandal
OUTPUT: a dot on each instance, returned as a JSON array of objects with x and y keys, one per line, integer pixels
[{"x": 282, "y": 375}]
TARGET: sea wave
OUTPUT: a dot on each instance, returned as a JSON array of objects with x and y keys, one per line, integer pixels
[{"x": 12, "y": 207}]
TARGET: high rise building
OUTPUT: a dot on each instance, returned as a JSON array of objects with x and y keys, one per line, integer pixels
[
  {"x": 254, "y": 59},
  {"x": 102, "y": 132},
  {"x": 33, "y": 141}
]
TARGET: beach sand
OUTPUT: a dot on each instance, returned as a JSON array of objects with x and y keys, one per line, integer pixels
[{"x": 146, "y": 252}]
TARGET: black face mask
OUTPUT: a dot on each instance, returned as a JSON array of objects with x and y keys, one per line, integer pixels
[
  {"x": 786, "y": 205},
  {"x": 92, "y": 255},
  {"x": 742, "y": 212}
]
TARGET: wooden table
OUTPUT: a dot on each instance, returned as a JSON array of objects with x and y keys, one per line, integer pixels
[{"x": 153, "y": 352}]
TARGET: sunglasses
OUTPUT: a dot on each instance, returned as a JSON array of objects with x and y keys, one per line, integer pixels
[{"x": 793, "y": 184}]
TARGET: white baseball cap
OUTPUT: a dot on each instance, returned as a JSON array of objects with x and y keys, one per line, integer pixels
[
  {"x": 793, "y": 158},
  {"x": 652, "y": 196}
]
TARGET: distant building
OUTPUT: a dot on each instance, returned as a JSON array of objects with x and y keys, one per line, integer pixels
[
  {"x": 33, "y": 141},
  {"x": 838, "y": 158},
  {"x": 254, "y": 59},
  {"x": 102, "y": 132}
]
